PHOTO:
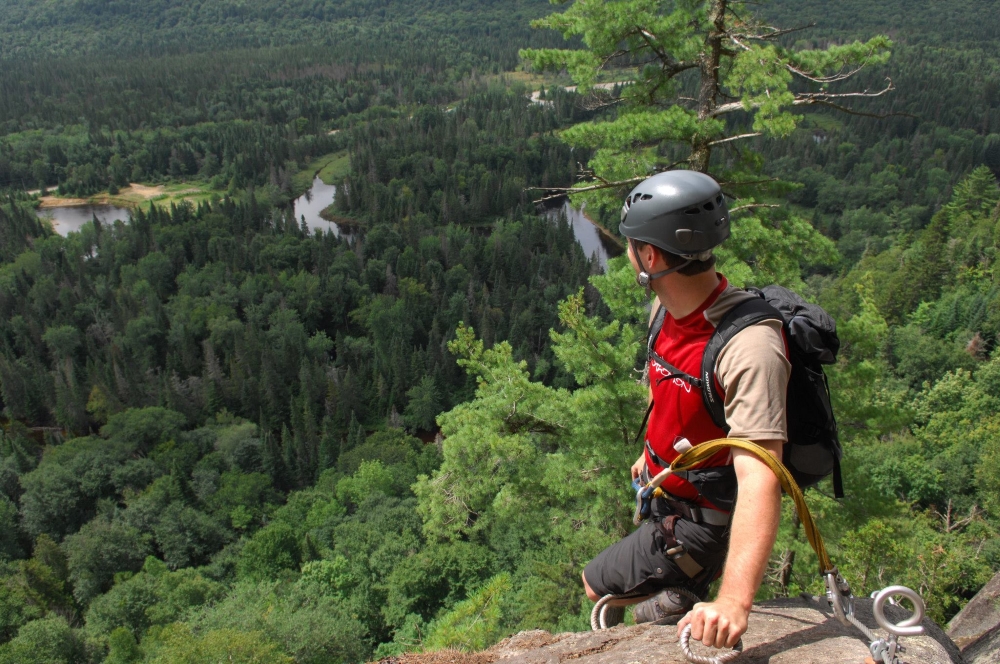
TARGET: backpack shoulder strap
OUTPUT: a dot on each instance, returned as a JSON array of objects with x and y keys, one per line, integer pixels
[
  {"x": 651, "y": 355},
  {"x": 736, "y": 320},
  {"x": 655, "y": 325}
]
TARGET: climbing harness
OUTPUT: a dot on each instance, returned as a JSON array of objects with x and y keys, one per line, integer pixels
[{"x": 884, "y": 650}]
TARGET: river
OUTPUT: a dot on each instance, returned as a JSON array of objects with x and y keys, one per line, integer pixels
[
  {"x": 69, "y": 219},
  {"x": 591, "y": 240},
  {"x": 311, "y": 203}
]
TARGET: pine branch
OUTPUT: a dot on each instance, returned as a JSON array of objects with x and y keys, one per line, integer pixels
[
  {"x": 834, "y": 78},
  {"x": 670, "y": 66}
]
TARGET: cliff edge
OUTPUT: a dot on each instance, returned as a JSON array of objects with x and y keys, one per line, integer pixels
[
  {"x": 976, "y": 628},
  {"x": 785, "y": 631}
]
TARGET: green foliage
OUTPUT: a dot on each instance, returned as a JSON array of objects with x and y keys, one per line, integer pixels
[
  {"x": 47, "y": 641},
  {"x": 10, "y": 546},
  {"x": 143, "y": 428},
  {"x": 99, "y": 551},
  {"x": 122, "y": 648},
  {"x": 670, "y": 40},
  {"x": 176, "y": 644},
  {"x": 154, "y": 596},
  {"x": 250, "y": 378},
  {"x": 437, "y": 576},
  {"x": 473, "y": 624},
  {"x": 272, "y": 549},
  {"x": 423, "y": 404},
  {"x": 312, "y": 626},
  {"x": 62, "y": 493}
]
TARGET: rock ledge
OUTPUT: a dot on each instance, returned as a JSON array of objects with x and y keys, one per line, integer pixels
[{"x": 786, "y": 631}]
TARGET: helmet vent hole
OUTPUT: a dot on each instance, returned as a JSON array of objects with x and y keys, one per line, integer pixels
[
  {"x": 646, "y": 197},
  {"x": 709, "y": 206},
  {"x": 693, "y": 210},
  {"x": 718, "y": 199}
]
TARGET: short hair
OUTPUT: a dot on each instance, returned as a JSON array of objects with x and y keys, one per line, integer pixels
[{"x": 673, "y": 260}]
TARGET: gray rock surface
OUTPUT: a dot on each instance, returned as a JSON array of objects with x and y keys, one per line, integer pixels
[
  {"x": 789, "y": 631},
  {"x": 976, "y": 628},
  {"x": 985, "y": 650},
  {"x": 786, "y": 631}
]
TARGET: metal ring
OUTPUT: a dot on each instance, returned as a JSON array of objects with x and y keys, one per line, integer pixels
[
  {"x": 909, "y": 627},
  {"x": 699, "y": 659}
]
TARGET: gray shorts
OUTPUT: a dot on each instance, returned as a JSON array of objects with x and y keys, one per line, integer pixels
[{"x": 639, "y": 565}]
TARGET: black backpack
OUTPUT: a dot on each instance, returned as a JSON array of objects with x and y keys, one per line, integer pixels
[{"x": 813, "y": 449}]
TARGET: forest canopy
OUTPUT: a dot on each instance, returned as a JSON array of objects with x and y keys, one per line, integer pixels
[{"x": 226, "y": 435}]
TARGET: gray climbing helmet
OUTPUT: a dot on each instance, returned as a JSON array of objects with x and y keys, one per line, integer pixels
[{"x": 683, "y": 212}]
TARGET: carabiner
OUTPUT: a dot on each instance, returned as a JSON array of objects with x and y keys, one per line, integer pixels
[{"x": 838, "y": 593}]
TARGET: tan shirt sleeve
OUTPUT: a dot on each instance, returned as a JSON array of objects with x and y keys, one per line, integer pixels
[{"x": 753, "y": 371}]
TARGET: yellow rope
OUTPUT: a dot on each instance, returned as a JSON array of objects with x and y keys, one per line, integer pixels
[{"x": 691, "y": 458}]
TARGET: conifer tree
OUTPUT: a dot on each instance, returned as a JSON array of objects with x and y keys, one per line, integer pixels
[{"x": 696, "y": 76}]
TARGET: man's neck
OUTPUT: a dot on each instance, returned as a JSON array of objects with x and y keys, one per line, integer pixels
[{"x": 681, "y": 294}]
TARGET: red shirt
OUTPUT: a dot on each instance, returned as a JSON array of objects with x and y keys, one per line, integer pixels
[{"x": 678, "y": 410}]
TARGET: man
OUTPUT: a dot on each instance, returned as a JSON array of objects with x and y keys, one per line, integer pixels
[{"x": 673, "y": 221}]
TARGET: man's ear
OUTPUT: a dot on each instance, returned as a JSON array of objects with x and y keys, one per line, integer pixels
[{"x": 652, "y": 258}]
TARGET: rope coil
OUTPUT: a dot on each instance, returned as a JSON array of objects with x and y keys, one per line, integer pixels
[
  {"x": 701, "y": 659},
  {"x": 691, "y": 458}
]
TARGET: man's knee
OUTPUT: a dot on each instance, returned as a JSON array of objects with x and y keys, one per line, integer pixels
[{"x": 590, "y": 591}]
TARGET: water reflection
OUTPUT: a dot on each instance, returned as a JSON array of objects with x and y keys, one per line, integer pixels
[
  {"x": 311, "y": 203},
  {"x": 591, "y": 240},
  {"x": 67, "y": 220}
]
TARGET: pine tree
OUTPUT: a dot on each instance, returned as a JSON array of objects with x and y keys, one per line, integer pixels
[{"x": 690, "y": 68}]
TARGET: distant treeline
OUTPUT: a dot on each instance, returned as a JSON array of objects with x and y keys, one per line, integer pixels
[{"x": 471, "y": 30}]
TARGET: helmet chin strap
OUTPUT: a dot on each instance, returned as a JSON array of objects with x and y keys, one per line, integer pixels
[{"x": 644, "y": 278}]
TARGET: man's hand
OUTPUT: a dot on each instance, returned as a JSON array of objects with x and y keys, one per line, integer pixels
[
  {"x": 639, "y": 464},
  {"x": 718, "y": 624}
]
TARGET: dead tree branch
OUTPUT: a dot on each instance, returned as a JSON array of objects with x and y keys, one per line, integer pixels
[
  {"x": 820, "y": 98},
  {"x": 751, "y": 206},
  {"x": 775, "y": 32},
  {"x": 734, "y": 138}
]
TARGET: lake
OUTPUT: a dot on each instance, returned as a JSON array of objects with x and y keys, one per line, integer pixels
[{"x": 69, "y": 219}]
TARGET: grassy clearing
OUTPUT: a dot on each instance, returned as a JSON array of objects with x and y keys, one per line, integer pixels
[
  {"x": 331, "y": 168},
  {"x": 338, "y": 168}
]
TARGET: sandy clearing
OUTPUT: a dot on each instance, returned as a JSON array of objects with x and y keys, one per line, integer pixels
[
  {"x": 142, "y": 190},
  {"x": 54, "y": 202}
]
